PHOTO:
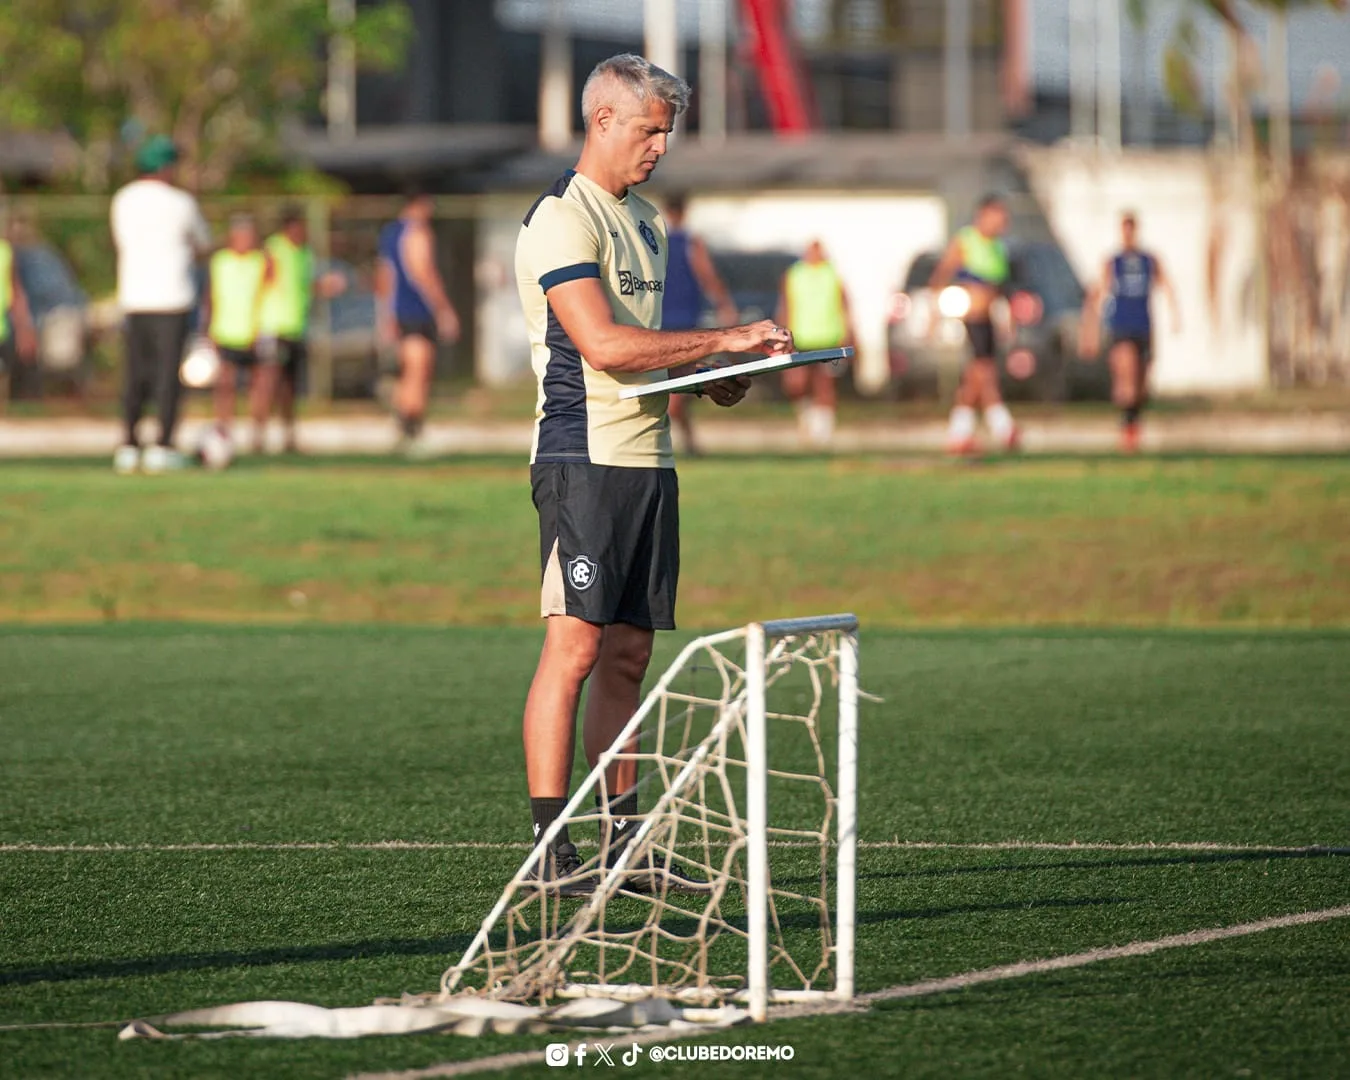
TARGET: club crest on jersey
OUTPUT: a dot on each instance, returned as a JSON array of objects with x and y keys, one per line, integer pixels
[
  {"x": 582, "y": 572},
  {"x": 649, "y": 236}
]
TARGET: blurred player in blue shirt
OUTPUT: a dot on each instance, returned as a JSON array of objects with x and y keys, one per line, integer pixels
[
  {"x": 414, "y": 309},
  {"x": 691, "y": 279},
  {"x": 1128, "y": 280}
]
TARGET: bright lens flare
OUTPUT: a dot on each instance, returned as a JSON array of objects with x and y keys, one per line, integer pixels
[
  {"x": 953, "y": 302},
  {"x": 200, "y": 367}
]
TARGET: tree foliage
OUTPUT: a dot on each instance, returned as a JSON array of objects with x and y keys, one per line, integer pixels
[
  {"x": 1179, "y": 63},
  {"x": 220, "y": 76}
]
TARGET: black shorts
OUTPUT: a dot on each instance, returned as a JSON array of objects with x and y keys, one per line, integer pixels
[
  {"x": 1143, "y": 343},
  {"x": 609, "y": 543},
  {"x": 425, "y": 328},
  {"x": 981, "y": 336},
  {"x": 8, "y": 353},
  {"x": 244, "y": 358},
  {"x": 289, "y": 354}
]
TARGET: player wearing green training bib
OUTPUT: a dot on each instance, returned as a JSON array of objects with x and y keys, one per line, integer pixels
[
  {"x": 239, "y": 273},
  {"x": 976, "y": 260},
  {"x": 814, "y": 306},
  {"x": 286, "y": 305}
]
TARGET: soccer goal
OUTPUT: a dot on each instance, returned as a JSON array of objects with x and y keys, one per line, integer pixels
[{"x": 738, "y": 886}]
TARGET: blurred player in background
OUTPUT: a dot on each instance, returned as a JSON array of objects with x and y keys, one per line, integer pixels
[
  {"x": 1128, "y": 280},
  {"x": 591, "y": 270},
  {"x": 239, "y": 274},
  {"x": 691, "y": 278},
  {"x": 159, "y": 233},
  {"x": 977, "y": 260},
  {"x": 414, "y": 309},
  {"x": 285, "y": 317},
  {"x": 18, "y": 338},
  {"x": 813, "y": 305}
]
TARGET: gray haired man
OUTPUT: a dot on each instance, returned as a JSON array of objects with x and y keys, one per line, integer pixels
[{"x": 591, "y": 269}]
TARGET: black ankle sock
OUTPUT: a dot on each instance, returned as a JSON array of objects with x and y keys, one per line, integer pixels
[
  {"x": 1130, "y": 416},
  {"x": 622, "y": 808},
  {"x": 545, "y": 812}
]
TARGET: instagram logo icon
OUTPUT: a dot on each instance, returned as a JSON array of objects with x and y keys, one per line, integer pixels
[{"x": 556, "y": 1055}]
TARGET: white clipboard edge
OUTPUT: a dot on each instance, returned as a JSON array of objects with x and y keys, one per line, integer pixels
[{"x": 760, "y": 366}]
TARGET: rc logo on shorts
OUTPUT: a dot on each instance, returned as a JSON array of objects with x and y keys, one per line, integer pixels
[
  {"x": 649, "y": 236},
  {"x": 582, "y": 572}
]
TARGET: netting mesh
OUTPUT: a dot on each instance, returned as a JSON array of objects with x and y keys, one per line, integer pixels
[{"x": 646, "y": 931}]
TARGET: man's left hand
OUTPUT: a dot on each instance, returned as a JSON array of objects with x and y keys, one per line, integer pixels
[{"x": 727, "y": 392}]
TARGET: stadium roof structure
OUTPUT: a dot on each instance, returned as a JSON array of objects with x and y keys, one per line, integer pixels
[
  {"x": 759, "y": 161},
  {"x": 425, "y": 151}
]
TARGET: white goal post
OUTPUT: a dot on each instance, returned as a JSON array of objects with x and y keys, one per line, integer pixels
[{"x": 749, "y": 701}]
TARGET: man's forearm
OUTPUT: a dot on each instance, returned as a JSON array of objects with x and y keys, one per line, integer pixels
[{"x": 634, "y": 349}]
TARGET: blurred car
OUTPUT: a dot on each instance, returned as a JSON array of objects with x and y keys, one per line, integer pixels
[
  {"x": 1039, "y": 362},
  {"x": 753, "y": 279},
  {"x": 59, "y": 307},
  {"x": 348, "y": 333}
]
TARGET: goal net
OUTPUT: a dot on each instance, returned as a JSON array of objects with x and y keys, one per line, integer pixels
[{"x": 737, "y": 886}]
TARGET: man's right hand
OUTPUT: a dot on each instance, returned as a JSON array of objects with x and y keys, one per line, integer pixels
[{"x": 765, "y": 336}]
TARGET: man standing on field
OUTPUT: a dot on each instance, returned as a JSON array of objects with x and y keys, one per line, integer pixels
[
  {"x": 591, "y": 269},
  {"x": 159, "y": 234}
]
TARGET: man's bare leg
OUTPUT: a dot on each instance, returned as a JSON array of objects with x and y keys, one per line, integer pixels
[
  {"x": 285, "y": 395},
  {"x": 996, "y": 414},
  {"x": 1127, "y": 391},
  {"x": 571, "y": 648},
  {"x": 260, "y": 401},
  {"x": 961, "y": 423},
  {"x": 416, "y": 356},
  {"x": 615, "y": 692},
  {"x": 223, "y": 395}
]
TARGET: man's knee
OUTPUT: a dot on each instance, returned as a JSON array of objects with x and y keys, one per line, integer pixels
[
  {"x": 626, "y": 652},
  {"x": 572, "y": 650}
]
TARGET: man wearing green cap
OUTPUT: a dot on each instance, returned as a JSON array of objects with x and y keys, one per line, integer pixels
[{"x": 159, "y": 234}]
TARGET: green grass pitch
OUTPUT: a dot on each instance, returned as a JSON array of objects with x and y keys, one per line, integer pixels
[
  {"x": 127, "y": 745},
  {"x": 166, "y": 736}
]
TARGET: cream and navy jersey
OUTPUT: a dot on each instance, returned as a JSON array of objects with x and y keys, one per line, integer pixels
[{"x": 577, "y": 229}]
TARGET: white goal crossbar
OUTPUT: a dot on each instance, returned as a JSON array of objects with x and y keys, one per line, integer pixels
[{"x": 744, "y": 705}]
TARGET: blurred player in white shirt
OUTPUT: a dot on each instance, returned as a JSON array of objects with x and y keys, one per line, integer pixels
[{"x": 159, "y": 233}]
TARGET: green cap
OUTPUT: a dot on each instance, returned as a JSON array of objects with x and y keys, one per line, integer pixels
[{"x": 157, "y": 152}]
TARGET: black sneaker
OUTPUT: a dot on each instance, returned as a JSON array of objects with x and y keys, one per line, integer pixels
[
  {"x": 562, "y": 865},
  {"x": 648, "y": 877}
]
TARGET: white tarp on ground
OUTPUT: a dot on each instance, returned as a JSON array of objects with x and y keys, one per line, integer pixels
[{"x": 462, "y": 1015}]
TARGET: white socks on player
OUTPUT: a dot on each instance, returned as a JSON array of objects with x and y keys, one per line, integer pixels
[
  {"x": 961, "y": 426},
  {"x": 1000, "y": 423},
  {"x": 820, "y": 425},
  {"x": 816, "y": 423},
  {"x": 963, "y": 422}
]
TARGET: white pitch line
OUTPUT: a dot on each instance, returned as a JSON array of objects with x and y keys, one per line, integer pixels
[
  {"x": 498, "y": 1062},
  {"x": 511, "y": 845}
]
